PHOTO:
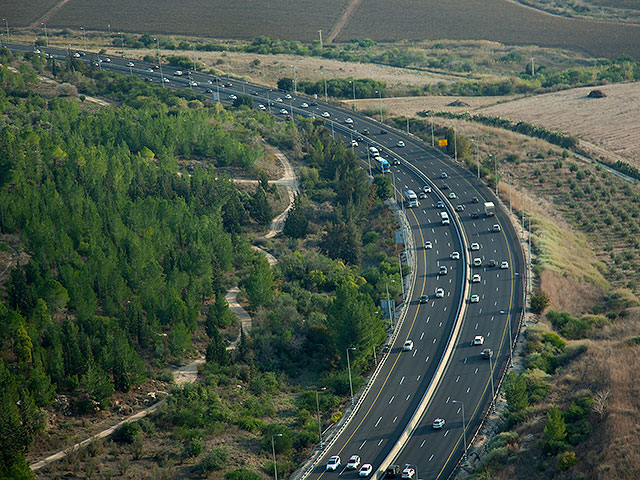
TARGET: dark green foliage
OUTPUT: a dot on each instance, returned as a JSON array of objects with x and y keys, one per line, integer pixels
[
  {"x": 515, "y": 388},
  {"x": 218, "y": 315},
  {"x": 574, "y": 327},
  {"x": 296, "y": 224},
  {"x": 128, "y": 433},
  {"x": 555, "y": 432},
  {"x": 216, "y": 350},
  {"x": 243, "y": 101},
  {"x": 338, "y": 87},
  {"x": 261, "y": 209},
  {"x": 214, "y": 460},
  {"x": 343, "y": 241},
  {"x": 243, "y": 474},
  {"x": 384, "y": 187},
  {"x": 259, "y": 281},
  {"x": 539, "y": 301}
]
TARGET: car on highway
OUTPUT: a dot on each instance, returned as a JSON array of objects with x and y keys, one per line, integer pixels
[
  {"x": 304, "y": 105},
  {"x": 233, "y": 97},
  {"x": 455, "y": 256},
  {"x": 452, "y": 196},
  {"x": 475, "y": 278},
  {"x": 408, "y": 473},
  {"x": 333, "y": 463},
  {"x": 228, "y": 85},
  {"x": 459, "y": 208},
  {"x": 348, "y": 121},
  {"x": 326, "y": 114},
  {"x": 408, "y": 346},
  {"x": 283, "y": 111},
  {"x": 130, "y": 64},
  {"x": 496, "y": 228},
  {"x": 475, "y": 299},
  {"x": 400, "y": 144},
  {"x": 427, "y": 189},
  {"x": 478, "y": 340},
  {"x": 354, "y": 143},
  {"x": 438, "y": 423},
  {"x": 260, "y": 107},
  {"x": 148, "y": 79},
  {"x": 422, "y": 195},
  {"x": 209, "y": 82},
  {"x": 475, "y": 246},
  {"x": 444, "y": 186},
  {"x": 106, "y": 59},
  {"x": 439, "y": 292},
  {"x": 475, "y": 214},
  {"x": 443, "y": 270},
  {"x": 178, "y": 73},
  {"x": 475, "y": 200},
  {"x": 440, "y": 204},
  {"x": 288, "y": 96},
  {"x": 366, "y": 470},
  {"x": 365, "y": 131},
  {"x": 165, "y": 80},
  {"x": 150, "y": 70},
  {"x": 423, "y": 299},
  {"x": 192, "y": 83},
  {"x": 486, "y": 353},
  {"x": 353, "y": 463},
  {"x": 477, "y": 262},
  {"x": 396, "y": 161},
  {"x": 76, "y": 55},
  {"x": 444, "y": 175},
  {"x": 492, "y": 263},
  {"x": 504, "y": 265},
  {"x": 279, "y": 100},
  {"x": 383, "y": 132}
]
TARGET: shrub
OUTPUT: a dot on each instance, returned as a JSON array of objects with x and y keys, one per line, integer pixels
[
  {"x": 216, "y": 459},
  {"x": 566, "y": 460},
  {"x": 127, "y": 433},
  {"x": 539, "y": 301},
  {"x": 243, "y": 474}
]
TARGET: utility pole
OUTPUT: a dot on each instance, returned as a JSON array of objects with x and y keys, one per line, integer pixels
[
  {"x": 6, "y": 23},
  {"x": 122, "y": 44},
  {"x": 326, "y": 98},
  {"x": 320, "y": 32},
  {"x": 433, "y": 143},
  {"x": 455, "y": 144},
  {"x": 406, "y": 114},
  {"x": 46, "y": 37},
  {"x": 533, "y": 68}
]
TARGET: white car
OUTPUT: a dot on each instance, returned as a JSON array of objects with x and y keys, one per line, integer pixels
[
  {"x": 76, "y": 55},
  {"x": 262, "y": 107},
  {"x": 477, "y": 262},
  {"x": 193, "y": 84},
  {"x": 130, "y": 64},
  {"x": 165, "y": 80},
  {"x": 408, "y": 346},
  {"x": 475, "y": 298},
  {"x": 504, "y": 265},
  {"x": 476, "y": 278},
  {"x": 438, "y": 423},
  {"x": 284, "y": 111},
  {"x": 354, "y": 143},
  {"x": 304, "y": 105},
  {"x": 232, "y": 97},
  {"x": 427, "y": 189},
  {"x": 455, "y": 256},
  {"x": 178, "y": 73},
  {"x": 444, "y": 175},
  {"x": 279, "y": 100},
  {"x": 333, "y": 463},
  {"x": 408, "y": 472},
  {"x": 107, "y": 59},
  {"x": 428, "y": 245},
  {"x": 400, "y": 143},
  {"x": 475, "y": 246},
  {"x": 439, "y": 292},
  {"x": 478, "y": 340},
  {"x": 496, "y": 228},
  {"x": 443, "y": 270},
  {"x": 452, "y": 196},
  {"x": 288, "y": 96},
  {"x": 326, "y": 114},
  {"x": 353, "y": 463},
  {"x": 366, "y": 470},
  {"x": 150, "y": 70},
  {"x": 348, "y": 121},
  {"x": 209, "y": 82}
]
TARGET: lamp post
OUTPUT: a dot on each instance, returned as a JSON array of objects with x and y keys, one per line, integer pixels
[
  {"x": 158, "y": 60},
  {"x": 493, "y": 392},
  {"x": 273, "y": 448},
  {"x": 6, "y": 24},
  {"x": 464, "y": 428},
  {"x": 495, "y": 163},
  {"x": 295, "y": 79},
  {"x": 318, "y": 408},
  {"x": 455, "y": 144},
  {"x": 109, "y": 29},
  {"x": 193, "y": 58},
  {"x": 380, "y": 97},
  {"x": 46, "y": 37},
  {"x": 122, "y": 43},
  {"x": 326, "y": 97},
  {"x": 349, "y": 368},
  {"x": 477, "y": 161},
  {"x": 320, "y": 32},
  {"x": 433, "y": 141},
  {"x": 84, "y": 37},
  {"x": 353, "y": 83}
]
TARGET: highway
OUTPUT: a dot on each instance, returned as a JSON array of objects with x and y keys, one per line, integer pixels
[{"x": 405, "y": 376}]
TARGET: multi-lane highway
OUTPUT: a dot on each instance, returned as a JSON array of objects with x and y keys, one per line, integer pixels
[{"x": 435, "y": 325}]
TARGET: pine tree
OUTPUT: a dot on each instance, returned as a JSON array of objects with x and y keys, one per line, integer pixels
[
  {"x": 515, "y": 388},
  {"x": 261, "y": 211},
  {"x": 216, "y": 350},
  {"x": 296, "y": 224},
  {"x": 555, "y": 431}
]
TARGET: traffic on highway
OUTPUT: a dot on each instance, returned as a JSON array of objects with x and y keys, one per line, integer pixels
[{"x": 462, "y": 306}]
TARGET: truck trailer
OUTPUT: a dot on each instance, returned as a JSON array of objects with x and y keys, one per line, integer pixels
[{"x": 489, "y": 209}]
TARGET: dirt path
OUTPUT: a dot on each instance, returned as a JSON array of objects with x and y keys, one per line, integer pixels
[
  {"x": 342, "y": 21},
  {"x": 48, "y": 14}
]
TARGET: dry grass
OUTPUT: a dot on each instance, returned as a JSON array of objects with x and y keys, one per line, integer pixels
[
  {"x": 567, "y": 294},
  {"x": 501, "y": 21}
]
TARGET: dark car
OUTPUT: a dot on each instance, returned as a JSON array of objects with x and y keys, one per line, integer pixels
[
  {"x": 383, "y": 132},
  {"x": 486, "y": 353},
  {"x": 313, "y": 104},
  {"x": 392, "y": 471},
  {"x": 492, "y": 263},
  {"x": 444, "y": 186},
  {"x": 423, "y": 299},
  {"x": 475, "y": 214},
  {"x": 365, "y": 131},
  {"x": 475, "y": 200}
]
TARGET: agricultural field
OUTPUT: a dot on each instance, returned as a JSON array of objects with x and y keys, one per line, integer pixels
[
  {"x": 21, "y": 13},
  {"x": 611, "y": 10},
  {"x": 291, "y": 19},
  {"x": 501, "y": 21}
]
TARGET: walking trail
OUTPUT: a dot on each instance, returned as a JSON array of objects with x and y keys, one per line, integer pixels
[
  {"x": 342, "y": 21},
  {"x": 189, "y": 373}
]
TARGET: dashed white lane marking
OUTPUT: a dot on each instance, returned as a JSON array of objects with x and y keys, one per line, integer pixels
[
  {"x": 476, "y": 370},
  {"x": 418, "y": 379},
  {"x": 408, "y": 397},
  {"x": 380, "y": 442},
  {"x": 422, "y": 444},
  {"x": 458, "y": 379},
  {"x": 362, "y": 445},
  {"x": 394, "y": 420},
  {"x": 431, "y": 458},
  {"x": 446, "y": 433},
  {"x": 391, "y": 400},
  {"x": 401, "y": 380},
  {"x": 378, "y": 422}
]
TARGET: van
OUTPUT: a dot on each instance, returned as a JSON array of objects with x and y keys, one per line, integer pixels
[
  {"x": 444, "y": 217},
  {"x": 373, "y": 151}
]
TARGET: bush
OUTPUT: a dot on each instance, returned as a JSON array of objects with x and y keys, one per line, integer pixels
[
  {"x": 216, "y": 459},
  {"x": 128, "y": 433},
  {"x": 566, "y": 460},
  {"x": 243, "y": 474}
]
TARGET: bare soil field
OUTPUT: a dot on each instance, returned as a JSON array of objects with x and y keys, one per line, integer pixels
[
  {"x": 400, "y": 106},
  {"x": 609, "y": 124},
  {"x": 498, "y": 20},
  {"x": 21, "y": 13},
  {"x": 611, "y": 10},
  {"x": 290, "y": 19}
]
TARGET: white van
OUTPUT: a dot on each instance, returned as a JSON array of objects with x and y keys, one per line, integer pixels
[{"x": 444, "y": 218}]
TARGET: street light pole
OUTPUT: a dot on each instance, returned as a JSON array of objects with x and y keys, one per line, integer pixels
[
  {"x": 349, "y": 367},
  {"x": 6, "y": 23},
  {"x": 493, "y": 392},
  {"x": 369, "y": 161},
  {"x": 455, "y": 144},
  {"x": 46, "y": 37},
  {"x": 122, "y": 43},
  {"x": 495, "y": 162},
  {"x": 84, "y": 36},
  {"x": 320, "y": 32},
  {"x": 295, "y": 80},
  {"x": 273, "y": 448},
  {"x": 380, "y": 97},
  {"x": 158, "y": 60},
  {"x": 326, "y": 98},
  {"x": 464, "y": 428},
  {"x": 318, "y": 407},
  {"x": 433, "y": 142}
]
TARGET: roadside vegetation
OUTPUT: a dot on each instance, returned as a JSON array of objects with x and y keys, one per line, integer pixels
[{"x": 133, "y": 234}]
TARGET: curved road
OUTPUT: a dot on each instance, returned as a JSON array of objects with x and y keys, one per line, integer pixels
[{"x": 404, "y": 377}]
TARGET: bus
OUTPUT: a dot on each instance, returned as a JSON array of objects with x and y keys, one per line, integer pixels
[
  {"x": 444, "y": 218},
  {"x": 383, "y": 165},
  {"x": 412, "y": 198}
]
